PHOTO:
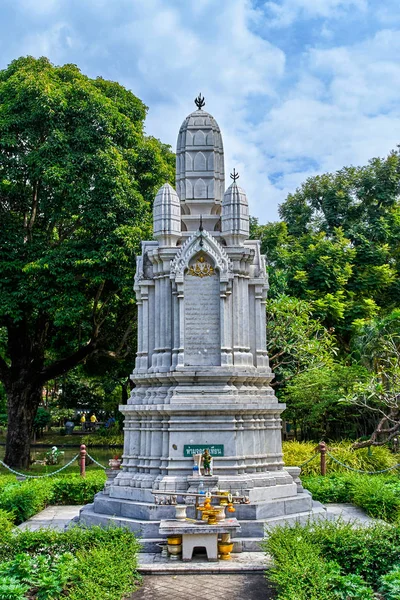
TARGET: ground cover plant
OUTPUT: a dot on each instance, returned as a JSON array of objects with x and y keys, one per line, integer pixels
[
  {"x": 334, "y": 560},
  {"x": 378, "y": 495},
  {"x": 80, "y": 564},
  {"x": 365, "y": 459},
  {"x": 23, "y": 499}
]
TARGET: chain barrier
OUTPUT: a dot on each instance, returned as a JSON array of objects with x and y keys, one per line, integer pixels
[
  {"x": 95, "y": 461},
  {"x": 39, "y": 476},
  {"x": 360, "y": 470},
  {"x": 309, "y": 460}
]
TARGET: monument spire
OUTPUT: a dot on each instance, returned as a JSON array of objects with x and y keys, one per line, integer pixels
[
  {"x": 200, "y": 102},
  {"x": 234, "y": 175}
]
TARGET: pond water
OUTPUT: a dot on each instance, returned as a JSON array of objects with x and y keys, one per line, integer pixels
[{"x": 102, "y": 455}]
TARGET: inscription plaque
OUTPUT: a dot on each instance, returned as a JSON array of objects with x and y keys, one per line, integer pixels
[{"x": 202, "y": 320}]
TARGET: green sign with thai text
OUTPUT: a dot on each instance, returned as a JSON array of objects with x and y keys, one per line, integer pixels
[{"x": 214, "y": 450}]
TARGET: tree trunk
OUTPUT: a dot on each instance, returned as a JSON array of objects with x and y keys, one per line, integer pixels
[{"x": 22, "y": 404}]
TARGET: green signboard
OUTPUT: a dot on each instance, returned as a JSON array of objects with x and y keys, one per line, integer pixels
[{"x": 214, "y": 450}]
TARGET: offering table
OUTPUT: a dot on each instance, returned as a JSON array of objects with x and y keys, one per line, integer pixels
[{"x": 199, "y": 534}]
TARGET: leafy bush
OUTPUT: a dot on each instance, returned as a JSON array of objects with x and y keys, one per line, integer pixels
[
  {"x": 90, "y": 563},
  {"x": 301, "y": 572},
  {"x": 375, "y": 459},
  {"x": 336, "y": 487},
  {"x": 6, "y": 521},
  {"x": 390, "y": 584},
  {"x": 26, "y": 498},
  {"x": 6, "y": 479},
  {"x": 104, "y": 437},
  {"x": 44, "y": 574},
  {"x": 362, "y": 555},
  {"x": 106, "y": 571},
  {"x": 75, "y": 489},
  {"x": 378, "y": 495}
]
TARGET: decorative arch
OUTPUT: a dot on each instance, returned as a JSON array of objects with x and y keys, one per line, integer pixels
[
  {"x": 200, "y": 190},
  {"x": 200, "y": 162},
  {"x": 201, "y": 241},
  {"x": 199, "y": 138}
]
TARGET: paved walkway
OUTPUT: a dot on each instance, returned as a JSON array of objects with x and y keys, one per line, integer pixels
[
  {"x": 52, "y": 517},
  {"x": 216, "y": 587}
]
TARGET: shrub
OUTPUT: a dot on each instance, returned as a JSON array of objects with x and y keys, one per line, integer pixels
[
  {"x": 104, "y": 437},
  {"x": 6, "y": 521},
  {"x": 301, "y": 572},
  {"x": 369, "y": 552},
  {"x": 75, "y": 489},
  {"x": 90, "y": 563},
  {"x": 25, "y": 499},
  {"x": 390, "y": 584},
  {"x": 378, "y": 495},
  {"x": 375, "y": 459},
  {"x": 336, "y": 487}
]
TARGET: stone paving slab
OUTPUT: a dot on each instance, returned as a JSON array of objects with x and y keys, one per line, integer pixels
[
  {"x": 52, "y": 517},
  {"x": 216, "y": 587},
  {"x": 244, "y": 562},
  {"x": 349, "y": 512}
]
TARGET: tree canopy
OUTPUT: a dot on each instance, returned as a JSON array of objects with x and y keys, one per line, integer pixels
[{"x": 77, "y": 179}]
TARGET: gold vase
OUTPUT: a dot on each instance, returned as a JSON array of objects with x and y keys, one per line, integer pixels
[{"x": 224, "y": 550}]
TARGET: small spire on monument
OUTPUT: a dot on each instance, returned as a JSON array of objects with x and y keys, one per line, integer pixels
[
  {"x": 201, "y": 228},
  {"x": 200, "y": 102},
  {"x": 234, "y": 175}
]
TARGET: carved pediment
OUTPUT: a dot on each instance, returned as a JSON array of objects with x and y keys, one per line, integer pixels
[{"x": 201, "y": 241}]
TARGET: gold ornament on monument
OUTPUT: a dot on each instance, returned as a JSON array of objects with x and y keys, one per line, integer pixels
[{"x": 201, "y": 268}]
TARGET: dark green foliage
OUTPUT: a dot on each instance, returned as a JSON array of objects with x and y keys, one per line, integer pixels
[
  {"x": 302, "y": 573},
  {"x": 90, "y": 563},
  {"x": 73, "y": 489},
  {"x": 378, "y": 495},
  {"x": 77, "y": 181},
  {"x": 332, "y": 559},
  {"x": 390, "y": 584},
  {"x": 330, "y": 488},
  {"x": 25, "y": 499}
]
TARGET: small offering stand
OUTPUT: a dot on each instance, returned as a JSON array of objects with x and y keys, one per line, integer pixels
[{"x": 210, "y": 529}]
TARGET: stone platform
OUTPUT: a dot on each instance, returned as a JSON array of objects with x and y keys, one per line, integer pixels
[{"x": 143, "y": 516}]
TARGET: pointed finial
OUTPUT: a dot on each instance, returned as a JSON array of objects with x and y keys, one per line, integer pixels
[
  {"x": 234, "y": 175},
  {"x": 200, "y": 102},
  {"x": 201, "y": 228}
]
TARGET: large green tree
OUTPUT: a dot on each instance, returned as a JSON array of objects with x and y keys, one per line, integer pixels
[{"x": 77, "y": 177}]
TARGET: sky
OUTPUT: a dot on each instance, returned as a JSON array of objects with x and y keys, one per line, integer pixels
[{"x": 298, "y": 87}]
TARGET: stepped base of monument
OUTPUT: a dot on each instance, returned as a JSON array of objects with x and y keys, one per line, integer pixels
[{"x": 144, "y": 518}]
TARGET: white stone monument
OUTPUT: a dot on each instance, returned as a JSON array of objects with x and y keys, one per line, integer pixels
[{"x": 202, "y": 375}]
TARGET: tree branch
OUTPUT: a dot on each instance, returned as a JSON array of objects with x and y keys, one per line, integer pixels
[{"x": 64, "y": 365}]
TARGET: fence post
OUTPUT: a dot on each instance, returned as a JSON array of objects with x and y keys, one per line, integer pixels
[
  {"x": 322, "y": 450},
  {"x": 83, "y": 460}
]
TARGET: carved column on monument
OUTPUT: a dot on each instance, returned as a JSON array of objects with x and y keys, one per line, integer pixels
[{"x": 226, "y": 327}]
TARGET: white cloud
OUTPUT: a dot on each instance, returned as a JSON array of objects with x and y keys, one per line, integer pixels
[
  {"x": 283, "y": 118},
  {"x": 284, "y": 12}
]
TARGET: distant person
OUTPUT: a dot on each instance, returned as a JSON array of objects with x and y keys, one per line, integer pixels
[
  {"x": 93, "y": 421},
  {"x": 83, "y": 422},
  {"x": 69, "y": 427},
  {"x": 110, "y": 422}
]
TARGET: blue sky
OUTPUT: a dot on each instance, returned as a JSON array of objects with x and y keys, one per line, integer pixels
[{"x": 299, "y": 87}]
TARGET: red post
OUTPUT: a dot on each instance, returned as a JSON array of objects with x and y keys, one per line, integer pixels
[
  {"x": 83, "y": 460},
  {"x": 322, "y": 449}
]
